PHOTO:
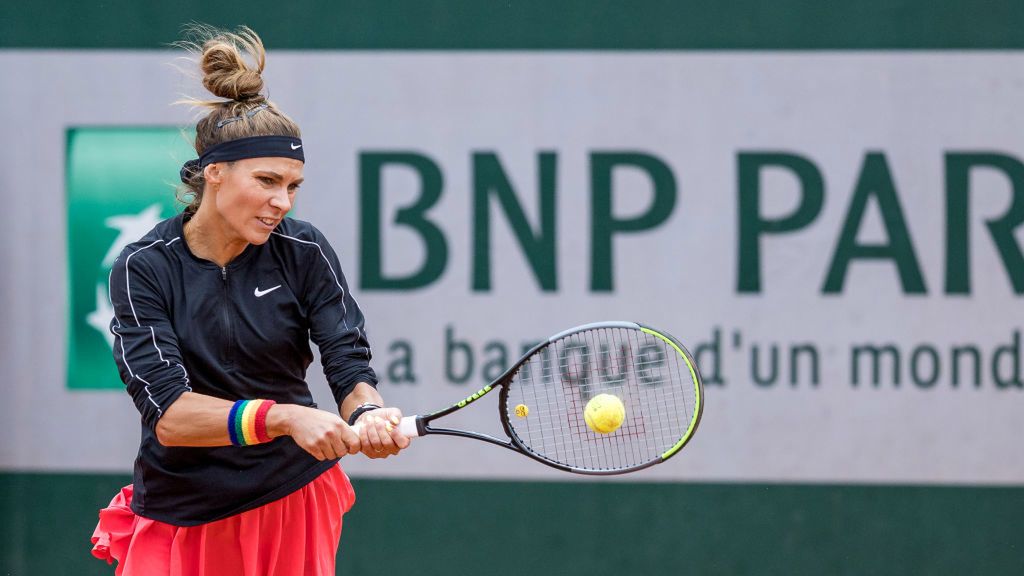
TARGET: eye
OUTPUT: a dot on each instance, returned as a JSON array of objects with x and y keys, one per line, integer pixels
[
  {"x": 265, "y": 180},
  {"x": 293, "y": 188}
]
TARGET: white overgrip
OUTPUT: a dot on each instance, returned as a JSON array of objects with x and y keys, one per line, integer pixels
[{"x": 406, "y": 426}]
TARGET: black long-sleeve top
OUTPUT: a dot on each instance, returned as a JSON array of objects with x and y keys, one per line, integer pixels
[{"x": 182, "y": 323}]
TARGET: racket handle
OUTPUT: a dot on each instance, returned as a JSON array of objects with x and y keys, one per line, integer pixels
[{"x": 406, "y": 426}]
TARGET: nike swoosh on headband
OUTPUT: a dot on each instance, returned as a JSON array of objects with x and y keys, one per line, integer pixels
[{"x": 242, "y": 148}]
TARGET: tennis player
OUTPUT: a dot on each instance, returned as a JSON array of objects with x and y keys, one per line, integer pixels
[{"x": 237, "y": 471}]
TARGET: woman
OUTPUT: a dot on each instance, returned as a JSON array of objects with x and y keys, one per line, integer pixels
[{"x": 214, "y": 309}]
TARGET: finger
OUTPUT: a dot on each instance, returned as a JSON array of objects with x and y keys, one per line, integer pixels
[
  {"x": 401, "y": 441},
  {"x": 373, "y": 446},
  {"x": 394, "y": 418},
  {"x": 379, "y": 444},
  {"x": 384, "y": 428},
  {"x": 342, "y": 448},
  {"x": 395, "y": 439},
  {"x": 398, "y": 440},
  {"x": 350, "y": 440},
  {"x": 330, "y": 449},
  {"x": 394, "y": 415},
  {"x": 361, "y": 428},
  {"x": 387, "y": 440},
  {"x": 316, "y": 452},
  {"x": 334, "y": 444}
]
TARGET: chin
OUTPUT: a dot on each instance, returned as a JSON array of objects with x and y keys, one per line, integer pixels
[
  {"x": 259, "y": 239},
  {"x": 256, "y": 236}
]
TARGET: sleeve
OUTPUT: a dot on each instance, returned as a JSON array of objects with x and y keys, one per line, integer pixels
[
  {"x": 145, "y": 345},
  {"x": 336, "y": 323}
]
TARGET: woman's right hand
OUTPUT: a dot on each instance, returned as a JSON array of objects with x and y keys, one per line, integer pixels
[{"x": 323, "y": 434}]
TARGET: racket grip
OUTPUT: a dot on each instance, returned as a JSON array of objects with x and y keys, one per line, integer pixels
[{"x": 406, "y": 426}]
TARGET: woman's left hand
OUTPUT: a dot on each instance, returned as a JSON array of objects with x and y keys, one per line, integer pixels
[{"x": 379, "y": 435}]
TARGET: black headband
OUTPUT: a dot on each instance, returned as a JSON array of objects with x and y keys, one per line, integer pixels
[{"x": 242, "y": 148}]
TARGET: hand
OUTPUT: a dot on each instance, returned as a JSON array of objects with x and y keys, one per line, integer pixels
[
  {"x": 323, "y": 434},
  {"x": 379, "y": 436}
]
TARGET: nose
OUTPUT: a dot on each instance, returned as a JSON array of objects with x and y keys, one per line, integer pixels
[{"x": 280, "y": 200}]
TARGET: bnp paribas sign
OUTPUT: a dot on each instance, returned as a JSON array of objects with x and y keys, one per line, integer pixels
[{"x": 120, "y": 183}]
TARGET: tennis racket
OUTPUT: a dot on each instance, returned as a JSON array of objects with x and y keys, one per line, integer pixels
[{"x": 543, "y": 397}]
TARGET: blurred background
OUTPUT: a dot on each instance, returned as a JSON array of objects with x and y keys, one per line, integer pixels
[{"x": 822, "y": 201}]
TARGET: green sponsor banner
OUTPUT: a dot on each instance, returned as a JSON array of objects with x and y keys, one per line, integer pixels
[
  {"x": 528, "y": 24},
  {"x": 120, "y": 183},
  {"x": 589, "y": 529}
]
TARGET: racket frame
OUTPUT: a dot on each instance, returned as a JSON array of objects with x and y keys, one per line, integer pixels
[{"x": 423, "y": 427}]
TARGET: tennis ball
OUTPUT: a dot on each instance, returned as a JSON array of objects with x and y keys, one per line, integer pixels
[
  {"x": 522, "y": 410},
  {"x": 604, "y": 413}
]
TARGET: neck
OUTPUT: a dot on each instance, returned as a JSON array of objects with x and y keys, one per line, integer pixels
[{"x": 210, "y": 238}]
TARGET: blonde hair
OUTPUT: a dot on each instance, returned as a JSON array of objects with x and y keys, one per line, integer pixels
[{"x": 241, "y": 110}]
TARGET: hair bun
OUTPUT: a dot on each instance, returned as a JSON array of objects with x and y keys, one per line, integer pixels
[
  {"x": 232, "y": 66},
  {"x": 226, "y": 73}
]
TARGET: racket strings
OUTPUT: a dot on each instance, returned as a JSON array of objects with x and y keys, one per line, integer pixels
[{"x": 645, "y": 372}]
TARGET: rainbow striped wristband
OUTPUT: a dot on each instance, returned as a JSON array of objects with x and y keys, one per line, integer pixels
[{"x": 247, "y": 422}]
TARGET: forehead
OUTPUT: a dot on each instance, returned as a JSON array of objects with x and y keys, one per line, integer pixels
[{"x": 287, "y": 167}]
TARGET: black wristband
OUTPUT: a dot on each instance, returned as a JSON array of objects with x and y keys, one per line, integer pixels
[{"x": 365, "y": 407}]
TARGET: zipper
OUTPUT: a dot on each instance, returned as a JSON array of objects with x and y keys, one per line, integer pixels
[{"x": 228, "y": 351}]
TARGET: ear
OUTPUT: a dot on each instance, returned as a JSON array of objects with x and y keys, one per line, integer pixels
[{"x": 213, "y": 173}]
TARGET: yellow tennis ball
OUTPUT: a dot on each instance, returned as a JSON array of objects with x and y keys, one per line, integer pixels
[
  {"x": 522, "y": 410},
  {"x": 604, "y": 413}
]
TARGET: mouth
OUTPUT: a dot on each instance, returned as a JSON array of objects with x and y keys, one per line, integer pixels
[{"x": 269, "y": 223}]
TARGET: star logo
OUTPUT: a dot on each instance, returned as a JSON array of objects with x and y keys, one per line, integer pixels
[
  {"x": 130, "y": 228},
  {"x": 100, "y": 317}
]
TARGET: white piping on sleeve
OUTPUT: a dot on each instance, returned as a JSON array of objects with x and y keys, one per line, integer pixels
[
  {"x": 152, "y": 333},
  {"x": 128, "y": 281},
  {"x": 160, "y": 354},
  {"x": 124, "y": 358}
]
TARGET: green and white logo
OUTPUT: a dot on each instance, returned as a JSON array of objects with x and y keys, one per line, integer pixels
[{"x": 120, "y": 183}]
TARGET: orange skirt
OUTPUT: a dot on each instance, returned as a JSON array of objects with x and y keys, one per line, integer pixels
[{"x": 295, "y": 536}]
